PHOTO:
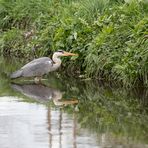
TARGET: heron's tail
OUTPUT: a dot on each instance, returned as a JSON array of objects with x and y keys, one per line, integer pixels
[{"x": 16, "y": 74}]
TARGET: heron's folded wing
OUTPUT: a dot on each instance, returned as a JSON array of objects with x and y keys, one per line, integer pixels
[
  {"x": 37, "y": 68},
  {"x": 37, "y": 61}
]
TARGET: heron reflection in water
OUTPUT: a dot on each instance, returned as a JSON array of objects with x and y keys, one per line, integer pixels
[
  {"x": 42, "y": 93},
  {"x": 38, "y": 67}
]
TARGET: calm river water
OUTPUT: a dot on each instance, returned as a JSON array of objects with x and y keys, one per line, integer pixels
[{"x": 69, "y": 113}]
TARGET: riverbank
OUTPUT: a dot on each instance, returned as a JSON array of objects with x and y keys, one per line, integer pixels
[{"x": 109, "y": 36}]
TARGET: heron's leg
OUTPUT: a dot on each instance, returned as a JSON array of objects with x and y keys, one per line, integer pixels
[{"x": 37, "y": 79}]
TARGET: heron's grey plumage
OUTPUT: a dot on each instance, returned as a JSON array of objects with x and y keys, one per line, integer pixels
[
  {"x": 16, "y": 74},
  {"x": 37, "y": 67}
]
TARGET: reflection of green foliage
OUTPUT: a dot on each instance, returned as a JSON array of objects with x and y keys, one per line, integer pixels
[{"x": 114, "y": 111}]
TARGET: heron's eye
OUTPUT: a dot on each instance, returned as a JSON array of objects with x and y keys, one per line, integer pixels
[{"x": 61, "y": 51}]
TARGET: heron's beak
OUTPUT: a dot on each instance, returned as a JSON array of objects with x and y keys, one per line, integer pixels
[{"x": 69, "y": 54}]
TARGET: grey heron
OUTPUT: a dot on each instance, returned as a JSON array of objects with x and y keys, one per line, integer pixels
[{"x": 38, "y": 67}]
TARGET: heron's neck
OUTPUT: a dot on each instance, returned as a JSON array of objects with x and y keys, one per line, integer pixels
[{"x": 57, "y": 62}]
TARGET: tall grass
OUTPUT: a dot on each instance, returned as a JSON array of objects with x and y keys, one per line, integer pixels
[{"x": 109, "y": 35}]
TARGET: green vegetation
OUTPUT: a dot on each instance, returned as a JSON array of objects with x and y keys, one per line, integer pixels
[{"x": 110, "y": 36}]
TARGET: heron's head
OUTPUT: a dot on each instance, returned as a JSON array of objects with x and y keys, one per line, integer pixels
[{"x": 60, "y": 53}]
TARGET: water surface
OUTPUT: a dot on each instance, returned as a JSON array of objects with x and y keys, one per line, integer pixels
[{"x": 69, "y": 113}]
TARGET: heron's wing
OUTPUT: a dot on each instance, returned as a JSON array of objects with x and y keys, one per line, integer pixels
[
  {"x": 37, "y": 67},
  {"x": 39, "y": 60}
]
